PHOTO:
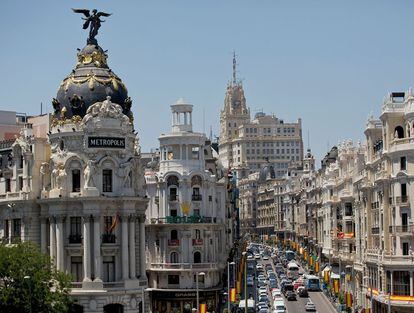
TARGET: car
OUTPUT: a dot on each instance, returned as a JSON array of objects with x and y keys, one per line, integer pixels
[
  {"x": 302, "y": 292},
  {"x": 291, "y": 296},
  {"x": 263, "y": 298},
  {"x": 257, "y": 256},
  {"x": 250, "y": 281},
  {"x": 263, "y": 289},
  {"x": 276, "y": 293},
  {"x": 262, "y": 306},
  {"x": 265, "y": 257},
  {"x": 309, "y": 306},
  {"x": 263, "y": 311},
  {"x": 279, "y": 307},
  {"x": 259, "y": 267}
]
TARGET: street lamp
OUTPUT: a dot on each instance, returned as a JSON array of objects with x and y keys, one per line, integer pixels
[
  {"x": 228, "y": 284},
  {"x": 198, "y": 299},
  {"x": 30, "y": 291},
  {"x": 244, "y": 253}
]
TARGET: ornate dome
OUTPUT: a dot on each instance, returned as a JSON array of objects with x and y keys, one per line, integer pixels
[{"x": 91, "y": 81}]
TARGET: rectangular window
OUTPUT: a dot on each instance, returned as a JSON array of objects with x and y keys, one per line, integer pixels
[
  {"x": 76, "y": 179},
  {"x": 6, "y": 229},
  {"x": 17, "y": 225},
  {"x": 173, "y": 279},
  {"x": 107, "y": 180},
  {"x": 405, "y": 248},
  {"x": 403, "y": 163},
  {"x": 20, "y": 182},
  {"x": 76, "y": 268},
  {"x": 8, "y": 185},
  {"x": 75, "y": 229},
  {"x": 108, "y": 269},
  {"x": 403, "y": 190},
  {"x": 195, "y": 153}
]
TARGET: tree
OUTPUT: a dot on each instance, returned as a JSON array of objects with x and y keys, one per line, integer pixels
[{"x": 29, "y": 282}]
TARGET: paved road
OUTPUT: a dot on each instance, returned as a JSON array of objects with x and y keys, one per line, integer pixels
[{"x": 318, "y": 298}]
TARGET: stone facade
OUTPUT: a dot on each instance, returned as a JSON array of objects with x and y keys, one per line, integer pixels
[{"x": 187, "y": 225}]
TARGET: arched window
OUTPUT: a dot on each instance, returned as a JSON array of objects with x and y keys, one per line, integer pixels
[
  {"x": 174, "y": 234},
  {"x": 197, "y": 234},
  {"x": 399, "y": 132},
  {"x": 196, "y": 183},
  {"x": 174, "y": 257},
  {"x": 197, "y": 257},
  {"x": 113, "y": 308},
  {"x": 172, "y": 185}
]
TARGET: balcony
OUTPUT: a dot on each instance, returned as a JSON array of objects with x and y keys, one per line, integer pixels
[
  {"x": 76, "y": 238},
  {"x": 173, "y": 198},
  {"x": 402, "y": 229},
  {"x": 196, "y": 197},
  {"x": 375, "y": 230},
  {"x": 173, "y": 242},
  {"x": 184, "y": 266},
  {"x": 197, "y": 242},
  {"x": 402, "y": 200},
  {"x": 195, "y": 219},
  {"x": 108, "y": 238}
]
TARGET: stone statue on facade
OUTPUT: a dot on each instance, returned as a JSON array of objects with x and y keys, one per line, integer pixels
[
  {"x": 88, "y": 174},
  {"x": 125, "y": 171},
  {"x": 92, "y": 21},
  {"x": 44, "y": 174},
  {"x": 59, "y": 176}
]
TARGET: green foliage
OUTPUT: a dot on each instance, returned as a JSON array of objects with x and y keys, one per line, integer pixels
[{"x": 29, "y": 283}]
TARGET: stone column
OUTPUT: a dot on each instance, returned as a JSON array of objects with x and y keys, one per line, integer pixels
[
  {"x": 132, "y": 272},
  {"x": 52, "y": 241},
  {"x": 142, "y": 246},
  {"x": 97, "y": 248},
  {"x": 86, "y": 249},
  {"x": 411, "y": 284},
  {"x": 43, "y": 241},
  {"x": 125, "y": 265},
  {"x": 392, "y": 282},
  {"x": 60, "y": 247}
]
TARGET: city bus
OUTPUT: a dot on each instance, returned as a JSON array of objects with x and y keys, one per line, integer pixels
[
  {"x": 250, "y": 306},
  {"x": 292, "y": 270},
  {"x": 290, "y": 255},
  {"x": 312, "y": 283}
]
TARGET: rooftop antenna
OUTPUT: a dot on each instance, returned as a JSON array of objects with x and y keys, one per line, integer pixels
[
  {"x": 234, "y": 68},
  {"x": 41, "y": 108},
  {"x": 308, "y": 141},
  {"x": 211, "y": 133},
  {"x": 204, "y": 121}
]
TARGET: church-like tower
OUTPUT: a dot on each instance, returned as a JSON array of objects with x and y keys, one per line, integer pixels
[{"x": 234, "y": 114}]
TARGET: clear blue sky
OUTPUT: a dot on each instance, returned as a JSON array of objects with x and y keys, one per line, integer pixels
[{"x": 329, "y": 62}]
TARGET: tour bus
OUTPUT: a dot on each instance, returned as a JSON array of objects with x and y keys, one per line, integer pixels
[
  {"x": 250, "y": 306},
  {"x": 292, "y": 270},
  {"x": 312, "y": 283},
  {"x": 290, "y": 255}
]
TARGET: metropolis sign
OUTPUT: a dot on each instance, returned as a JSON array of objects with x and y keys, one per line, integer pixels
[{"x": 106, "y": 142}]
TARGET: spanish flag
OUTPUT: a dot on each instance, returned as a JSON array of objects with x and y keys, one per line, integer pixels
[
  {"x": 348, "y": 300},
  {"x": 114, "y": 223},
  {"x": 336, "y": 285},
  {"x": 203, "y": 308},
  {"x": 233, "y": 295},
  {"x": 326, "y": 276}
]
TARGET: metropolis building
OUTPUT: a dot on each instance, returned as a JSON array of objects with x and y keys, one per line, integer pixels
[
  {"x": 187, "y": 226},
  {"x": 81, "y": 194}
]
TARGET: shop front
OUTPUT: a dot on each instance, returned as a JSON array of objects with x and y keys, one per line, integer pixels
[{"x": 183, "y": 301}]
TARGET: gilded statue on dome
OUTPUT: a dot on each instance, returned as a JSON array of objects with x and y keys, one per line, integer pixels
[{"x": 92, "y": 21}]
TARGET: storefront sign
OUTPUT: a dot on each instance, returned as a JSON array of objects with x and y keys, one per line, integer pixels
[
  {"x": 106, "y": 142},
  {"x": 182, "y": 294}
]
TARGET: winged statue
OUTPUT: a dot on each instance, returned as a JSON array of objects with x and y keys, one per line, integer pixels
[{"x": 92, "y": 21}]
